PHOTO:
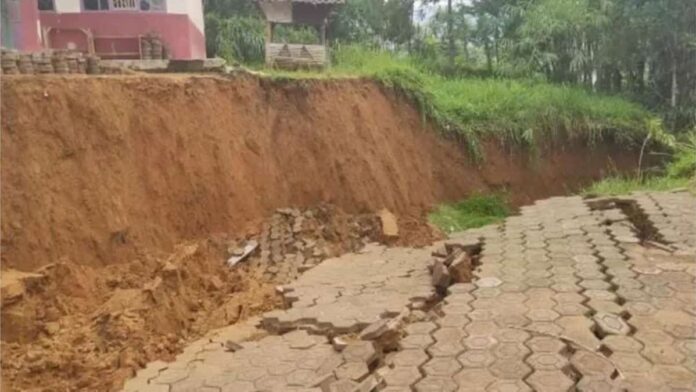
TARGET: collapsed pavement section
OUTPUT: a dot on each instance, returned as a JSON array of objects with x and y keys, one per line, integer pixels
[{"x": 568, "y": 295}]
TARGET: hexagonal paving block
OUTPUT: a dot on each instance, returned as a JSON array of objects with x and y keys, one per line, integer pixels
[
  {"x": 611, "y": 324},
  {"x": 640, "y": 308},
  {"x": 445, "y": 349},
  {"x": 488, "y": 282},
  {"x": 547, "y": 361},
  {"x": 420, "y": 328},
  {"x": 280, "y": 369},
  {"x": 476, "y": 358},
  {"x": 630, "y": 362},
  {"x": 653, "y": 337},
  {"x": 360, "y": 352},
  {"x": 477, "y": 328},
  {"x": 514, "y": 369},
  {"x": 514, "y": 350},
  {"x": 343, "y": 386},
  {"x": 453, "y": 320},
  {"x": 473, "y": 380},
  {"x": 302, "y": 377},
  {"x": 549, "y": 381},
  {"x": 436, "y": 384},
  {"x": 171, "y": 375},
  {"x": 442, "y": 366},
  {"x": 480, "y": 342},
  {"x": 592, "y": 364},
  {"x": 482, "y": 314},
  {"x": 620, "y": 343},
  {"x": 268, "y": 382},
  {"x": 299, "y": 339},
  {"x": 676, "y": 377},
  {"x": 589, "y": 384},
  {"x": 402, "y": 376},
  {"x": 595, "y": 284},
  {"x": 416, "y": 341},
  {"x": 545, "y": 344},
  {"x": 571, "y": 309},
  {"x": 663, "y": 355},
  {"x": 509, "y": 386},
  {"x": 687, "y": 347},
  {"x": 542, "y": 315},
  {"x": 601, "y": 306},
  {"x": 512, "y": 335},
  {"x": 545, "y": 328},
  {"x": 410, "y": 357},
  {"x": 449, "y": 334},
  {"x": 602, "y": 295}
]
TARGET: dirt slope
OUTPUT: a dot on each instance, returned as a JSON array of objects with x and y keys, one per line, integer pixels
[{"x": 95, "y": 168}]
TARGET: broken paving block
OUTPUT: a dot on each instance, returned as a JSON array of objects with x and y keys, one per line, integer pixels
[
  {"x": 460, "y": 269},
  {"x": 441, "y": 278}
]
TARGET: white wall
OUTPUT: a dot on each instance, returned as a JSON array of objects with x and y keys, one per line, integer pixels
[
  {"x": 195, "y": 11},
  {"x": 192, "y": 8},
  {"x": 68, "y": 5}
]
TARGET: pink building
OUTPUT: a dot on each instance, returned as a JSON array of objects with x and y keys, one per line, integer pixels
[{"x": 112, "y": 29}]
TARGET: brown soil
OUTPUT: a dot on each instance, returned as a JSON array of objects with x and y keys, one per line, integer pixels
[
  {"x": 121, "y": 194},
  {"x": 84, "y": 327}
]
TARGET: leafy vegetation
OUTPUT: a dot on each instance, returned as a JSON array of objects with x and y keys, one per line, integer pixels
[
  {"x": 476, "y": 211},
  {"x": 643, "y": 50}
]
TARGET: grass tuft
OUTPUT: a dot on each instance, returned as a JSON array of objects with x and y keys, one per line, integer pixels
[
  {"x": 476, "y": 211},
  {"x": 615, "y": 186}
]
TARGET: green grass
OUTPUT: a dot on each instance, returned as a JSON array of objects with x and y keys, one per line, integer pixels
[
  {"x": 522, "y": 112},
  {"x": 624, "y": 185},
  {"x": 476, "y": 211}
]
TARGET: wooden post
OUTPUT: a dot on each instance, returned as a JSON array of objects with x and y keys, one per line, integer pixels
[{"x": 269, "y": 39}]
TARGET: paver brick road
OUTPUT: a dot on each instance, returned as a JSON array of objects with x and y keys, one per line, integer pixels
[{"x": 567, "y": 296}]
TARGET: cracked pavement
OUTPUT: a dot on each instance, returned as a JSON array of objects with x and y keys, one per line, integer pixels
[{"x": 570, "y": 295}]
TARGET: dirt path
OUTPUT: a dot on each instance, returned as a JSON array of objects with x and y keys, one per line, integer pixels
[{"x": 568, "y": 295}]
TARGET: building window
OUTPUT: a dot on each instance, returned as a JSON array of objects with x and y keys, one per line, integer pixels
[
  {"x": 124, "y": 4},
  {"x": 153, "y": 5},
  {"x": 96, "y": 5},
  {"x": 46, "y": 5}
]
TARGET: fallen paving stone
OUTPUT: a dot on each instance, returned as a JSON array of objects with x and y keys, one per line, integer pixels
[
  {"x": 611, "y": 324},
  {"x": 441, "y": 278},
  {"x": 390, "y": 227}
]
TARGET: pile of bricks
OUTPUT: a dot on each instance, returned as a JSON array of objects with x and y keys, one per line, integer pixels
[
  {"x": 293, "y": 241},
  {"x": 49, "y": 62}
]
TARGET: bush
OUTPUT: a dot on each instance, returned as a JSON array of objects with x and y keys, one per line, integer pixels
[{"x": 476, "y": 211}]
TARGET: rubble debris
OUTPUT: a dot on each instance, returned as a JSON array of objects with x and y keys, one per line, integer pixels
[
  {"x": 233, "y": 346},
  {"x": 249, "y": 248}
]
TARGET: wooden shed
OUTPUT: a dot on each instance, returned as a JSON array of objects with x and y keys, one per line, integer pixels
[{"x": 313, "y": 13}]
